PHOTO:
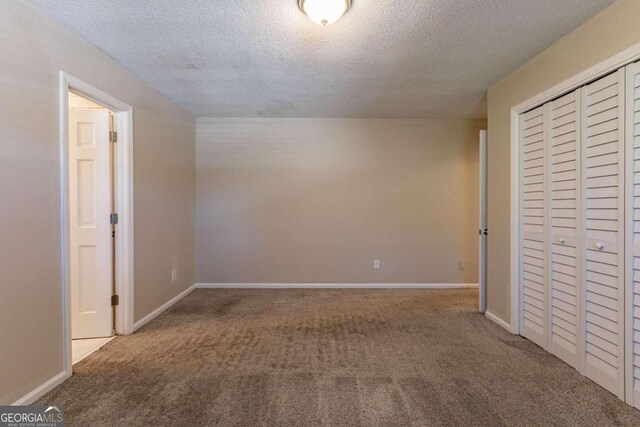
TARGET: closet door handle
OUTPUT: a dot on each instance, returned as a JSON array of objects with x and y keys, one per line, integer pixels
[
  {"x": 561, "y": 241},
  {"x": 599, "y": 246}
]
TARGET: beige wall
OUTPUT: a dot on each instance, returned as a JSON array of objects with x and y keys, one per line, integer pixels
[
  {"x": 33, "y": 50},
  {"x": 608, "y": 33},
  {"x": 317, "y": 200}
]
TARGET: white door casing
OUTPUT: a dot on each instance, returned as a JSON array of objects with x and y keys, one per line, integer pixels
[
  {"x": 632, "y": 251},
  {"x": 483, "y": 223},
  {"x": 626, "y": 335},
  {"x": 89, "y": 224}
]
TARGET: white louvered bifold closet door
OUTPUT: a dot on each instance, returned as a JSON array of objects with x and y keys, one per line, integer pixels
[
  {"x": 533, "y": 178},
  {"x": 603, "y": 199},
  {"x": 633, "y": 234},
  {"x": 566, "y": 231}
]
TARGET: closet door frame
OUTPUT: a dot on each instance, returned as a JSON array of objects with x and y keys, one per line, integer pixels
[
  {"x": 629, "y": 143},
  {"x": 591, "y": 74},
  {"x": 623, "y": 60}
]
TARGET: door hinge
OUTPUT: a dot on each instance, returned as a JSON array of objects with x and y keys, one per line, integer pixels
[
  {"x": 115, "y": 300},
  {"x": 113, "y": 218},
  {"x": 113, "y": 136}
]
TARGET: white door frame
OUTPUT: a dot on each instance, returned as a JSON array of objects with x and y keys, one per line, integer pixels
[
  {"x": 123, "y": 183},
  {"x": 629, "y": 185},
  {"x": 483, "y": 235},
  {"x": 601, "y": 69}
]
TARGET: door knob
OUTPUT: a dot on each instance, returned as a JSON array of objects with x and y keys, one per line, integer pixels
[
  {"x": 599, "y": 246},
  {"x": 561, "y": 241}
]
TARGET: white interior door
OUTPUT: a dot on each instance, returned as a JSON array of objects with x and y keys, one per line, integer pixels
[
  {"x": 565, "y": 339},
  {"x": 89, "y": 224},
  {"x": 603, "y": 198},
  {"x": 483, "y": 222},
  {"x": 533, "y": 222}
]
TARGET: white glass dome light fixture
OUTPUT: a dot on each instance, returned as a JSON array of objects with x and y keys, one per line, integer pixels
[{"x": 324, "y": 12}]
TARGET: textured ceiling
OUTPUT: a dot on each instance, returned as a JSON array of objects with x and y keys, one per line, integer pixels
[{"x": 384, "y": 58}]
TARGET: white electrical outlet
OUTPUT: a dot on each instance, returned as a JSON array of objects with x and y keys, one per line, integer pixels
[
  {"x": 376, "y": 264},
  {"x": 174, "y": 276},
  {"x": 461, "y": 265}
]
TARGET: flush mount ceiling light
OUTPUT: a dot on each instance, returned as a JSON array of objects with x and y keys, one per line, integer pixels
[{"x": 324, "y": 12}]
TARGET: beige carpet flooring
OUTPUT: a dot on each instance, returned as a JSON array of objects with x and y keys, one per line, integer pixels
[{"x": 330, "y": 357}]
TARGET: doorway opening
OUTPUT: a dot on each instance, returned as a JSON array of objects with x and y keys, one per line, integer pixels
[
  {"x": 97, "y": 218},
  {"x": 92, "y": 224}
]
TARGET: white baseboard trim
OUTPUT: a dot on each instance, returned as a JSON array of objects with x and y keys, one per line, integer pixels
[
  {"x": 337, "y": 285},
  {"x": 58, "y": 379},
  {"x": 146, "y": 319},
  {"x": 41, "y": 390},
  {"x": 498, "y": 320}
]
